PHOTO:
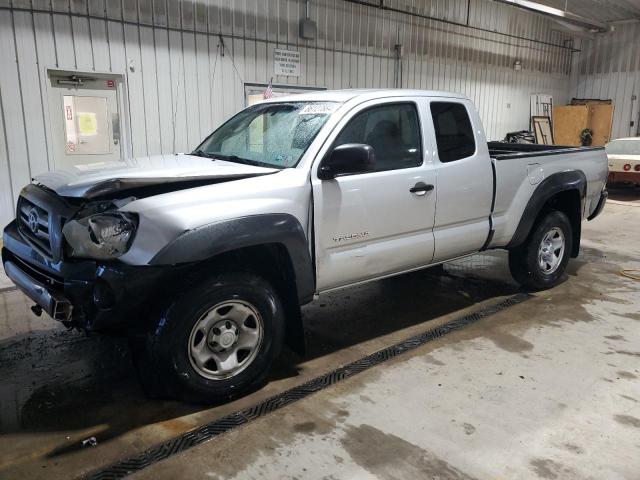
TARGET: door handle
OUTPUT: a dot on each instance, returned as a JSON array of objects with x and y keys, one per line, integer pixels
[
  {"x": 115, "y": 128},
  {"x": 421, "y": 188}
]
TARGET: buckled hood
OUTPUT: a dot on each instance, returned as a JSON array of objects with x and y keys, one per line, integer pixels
[{"x": 172, "y": 171}]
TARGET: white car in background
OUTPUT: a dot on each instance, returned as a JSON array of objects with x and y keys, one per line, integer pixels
[{"x": 624, "y": 160}]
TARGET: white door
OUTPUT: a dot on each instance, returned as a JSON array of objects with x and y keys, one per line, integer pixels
[
  {"x": 465, "y": 179},
  {"x": 369, "y": 225},
  {"x": 85, "y": 121}
]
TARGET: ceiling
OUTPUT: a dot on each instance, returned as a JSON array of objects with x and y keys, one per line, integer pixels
[{"x": 601, "y": 10}]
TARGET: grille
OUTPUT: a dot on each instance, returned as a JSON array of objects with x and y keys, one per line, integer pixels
[{"x": 33, "y": 223}]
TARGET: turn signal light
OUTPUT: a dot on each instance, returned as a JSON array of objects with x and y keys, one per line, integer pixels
[
  {"x": 637, "y": 167},
  {"x": 626, "y": 167}
]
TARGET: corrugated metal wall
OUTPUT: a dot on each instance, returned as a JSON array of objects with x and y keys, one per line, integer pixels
[
  {"x": 180, "y": 87},
  {"x": 609, "y": 68}
]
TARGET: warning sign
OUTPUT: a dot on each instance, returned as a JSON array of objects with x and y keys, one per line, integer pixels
[{"x": 286, "y": 62}]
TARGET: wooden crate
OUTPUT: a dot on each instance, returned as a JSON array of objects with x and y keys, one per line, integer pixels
[{"x": 570, "y": 120}]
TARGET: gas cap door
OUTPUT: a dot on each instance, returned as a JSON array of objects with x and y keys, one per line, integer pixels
[{"x": 535, "y": 173}]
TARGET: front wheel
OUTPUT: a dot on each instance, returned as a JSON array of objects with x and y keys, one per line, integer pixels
[
  {"x": 215, "y": 341},
  {"x": 542, "y": 259}
]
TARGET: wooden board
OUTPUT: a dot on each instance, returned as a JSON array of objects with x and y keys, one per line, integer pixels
[
  {"x": 542, "y": 130},
  {"x": 600, "y": 121},
  {"x": 590, "y": 101},
  {"x": 568, "y": 122}
]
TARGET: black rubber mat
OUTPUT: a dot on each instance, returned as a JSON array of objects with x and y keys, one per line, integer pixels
[{"x": 218, "y": 427}]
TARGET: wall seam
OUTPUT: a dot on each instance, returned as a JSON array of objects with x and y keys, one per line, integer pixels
[{"x": 6, "y": 146}]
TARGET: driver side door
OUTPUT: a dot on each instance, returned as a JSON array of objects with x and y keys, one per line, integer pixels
[{"x": 370, "y": 224}]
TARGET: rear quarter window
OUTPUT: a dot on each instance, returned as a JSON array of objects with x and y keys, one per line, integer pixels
[{"x": 453, "y": 130}]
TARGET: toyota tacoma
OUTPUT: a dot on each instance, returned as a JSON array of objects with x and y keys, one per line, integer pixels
[{"x": 205, "y": 258}]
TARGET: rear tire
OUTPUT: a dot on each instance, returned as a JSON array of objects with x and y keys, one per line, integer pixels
[
  {"x": 213, "y": 342},
  {"x": 540, "y": 262}
]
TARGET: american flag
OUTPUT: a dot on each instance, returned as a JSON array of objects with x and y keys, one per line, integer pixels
[{"x": 268, "y": 93}]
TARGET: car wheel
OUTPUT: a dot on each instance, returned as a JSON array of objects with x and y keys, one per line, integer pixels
[
  {"x": 541, "y": 261},
  {"x": 213, "y": 342}
]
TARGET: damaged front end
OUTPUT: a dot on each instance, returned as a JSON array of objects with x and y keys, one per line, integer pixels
[
  {"x": 99, "y": 231},
  {"x": 63, "y": 254}
]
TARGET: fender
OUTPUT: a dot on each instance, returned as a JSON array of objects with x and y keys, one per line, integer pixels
[
  {"x": 210, "y": 240},
  {"x": 550, "y": 186}
]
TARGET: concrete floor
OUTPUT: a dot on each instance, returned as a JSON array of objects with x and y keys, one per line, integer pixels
[{"x": 549, "y": 388}]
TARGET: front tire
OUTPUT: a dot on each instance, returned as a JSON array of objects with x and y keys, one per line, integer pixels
[
  {"x": 540, "y": 262},
  {"x": 214, "y": 342}
]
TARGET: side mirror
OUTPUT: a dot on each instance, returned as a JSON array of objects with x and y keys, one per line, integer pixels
[{"x": 347, "y": 159}]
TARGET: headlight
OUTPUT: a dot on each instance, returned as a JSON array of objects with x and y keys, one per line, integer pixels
[{"x": 101, "y": 236}]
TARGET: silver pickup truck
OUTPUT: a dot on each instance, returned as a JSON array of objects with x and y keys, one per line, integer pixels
[{"x": 205, "y": 258}]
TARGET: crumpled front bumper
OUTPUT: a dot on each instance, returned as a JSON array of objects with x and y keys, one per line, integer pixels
[
  {"x": 55, "y": 304},
  {"x": 84, "y": 293}
]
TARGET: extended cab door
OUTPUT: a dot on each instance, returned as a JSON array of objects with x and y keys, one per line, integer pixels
[
  {"x": 371, "y": 224},
  {"x": 465, "y": 178}
]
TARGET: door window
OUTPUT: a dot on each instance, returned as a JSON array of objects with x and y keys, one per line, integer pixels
[
  {"x": 392, "y": 130},
  {"x": 454, "y": 134},
  {"x": 86, "y": 125}
]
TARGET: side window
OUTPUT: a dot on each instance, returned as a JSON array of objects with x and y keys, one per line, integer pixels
[
  {"x": 392, "y": 130},
  {"x": 454, "y": 133}
]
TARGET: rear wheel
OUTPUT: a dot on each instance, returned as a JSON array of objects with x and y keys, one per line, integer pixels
[
  {"x": 214, "y": 342},
  {"x": 541, "y": 261}
]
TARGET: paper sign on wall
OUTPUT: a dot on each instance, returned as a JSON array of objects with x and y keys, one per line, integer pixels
[
  {"x": 87, "y": 123},
  {"x": 286, "y": 62}
]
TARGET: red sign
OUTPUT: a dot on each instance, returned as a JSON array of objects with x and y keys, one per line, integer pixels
[
  {"x": 111, "y": 83},
  {"x": 69, "y": 114}
]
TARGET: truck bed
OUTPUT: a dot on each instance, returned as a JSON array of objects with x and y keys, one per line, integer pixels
[
  {"x": 520, "y": 168},
  {"x": 506, "y": 151}
]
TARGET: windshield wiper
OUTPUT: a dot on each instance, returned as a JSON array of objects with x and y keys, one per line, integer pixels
[
  {"x": 246, "y": 161},
  {"x": 202, "y": 153}
]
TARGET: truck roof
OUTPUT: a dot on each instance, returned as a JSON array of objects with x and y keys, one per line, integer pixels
[{"x": 362, "y": 94}]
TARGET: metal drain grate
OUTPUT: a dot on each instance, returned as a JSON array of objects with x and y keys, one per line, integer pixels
[{"x": 218, "y": 427}]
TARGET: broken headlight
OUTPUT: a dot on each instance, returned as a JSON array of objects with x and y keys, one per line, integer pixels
[{"x": 101, "y": 236}]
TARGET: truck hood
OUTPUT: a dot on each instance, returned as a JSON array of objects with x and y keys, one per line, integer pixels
[{"x": 157, "y": 173}]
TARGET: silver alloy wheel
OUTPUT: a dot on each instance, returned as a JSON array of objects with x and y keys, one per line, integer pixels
[
  {"x": 226, "y": 339},
  {"x": 551, "y": 251}
]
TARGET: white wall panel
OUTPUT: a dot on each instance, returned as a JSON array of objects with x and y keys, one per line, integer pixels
[
  {"x": 178, "y": 97},
  {"x": 135, "y": 88},
  {"x": 63, "y": 41},
  {"x": 30, "y": 89},
  {"x": 6, "y": 187},
  {"x": 150, "y": 88},
  {"x": 203, "y": 67},
  {"x": 180, "y": 85},
  {"x": 609, "y": 68},
  {"x": 82, "y": 43},
  {"x": 19, "y": 169},
  {"x": 100, "y": 45}
]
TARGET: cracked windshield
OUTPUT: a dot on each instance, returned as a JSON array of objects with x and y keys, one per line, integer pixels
[{"x": 270, "y": 135}]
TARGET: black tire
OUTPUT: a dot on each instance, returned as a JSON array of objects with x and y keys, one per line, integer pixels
[
  {"x": 523, "y": 260},
  {"x": 162, "y": 351}
]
